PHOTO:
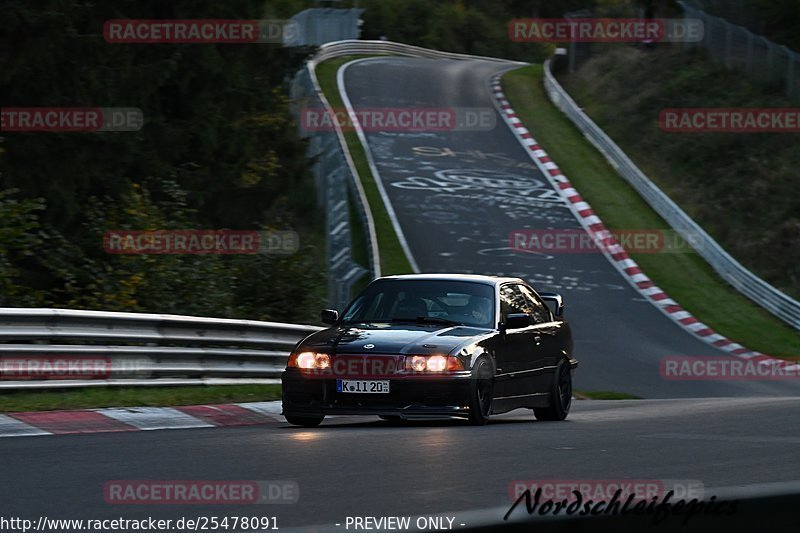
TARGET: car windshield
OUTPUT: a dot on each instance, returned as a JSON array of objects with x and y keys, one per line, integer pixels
[{"x": 427, "y": 302}]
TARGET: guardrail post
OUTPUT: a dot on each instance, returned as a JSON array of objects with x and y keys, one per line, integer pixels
[
  {"x": 728, "y": 40},
  {"x": 770, "y": 58},
  {"x": 790, "y": 85}
]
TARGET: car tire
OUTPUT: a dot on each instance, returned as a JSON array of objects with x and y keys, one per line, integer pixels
[
  {"x": 305, "y": 421},
  {"x": 481, "y": 388},
  {"x": 560, "y": 395}
]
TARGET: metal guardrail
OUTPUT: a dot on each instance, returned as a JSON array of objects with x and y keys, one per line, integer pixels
[
  {"x": 744, "y": 281},
  {"x": 758, "y": 290},
  {"x": 333, "y": 176},
  {"x": 140, "y": 349},
  {"x": 357, "y": 47},
  {"x": 148, "y": 349}
]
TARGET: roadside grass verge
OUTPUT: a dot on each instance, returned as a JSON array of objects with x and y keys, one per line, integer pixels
[
  {"x": 687, "y": 278},
  {"x": 393, "y": 260},
  {"x": 740, "y": 187},
  {"x": 96, "y": 397}
]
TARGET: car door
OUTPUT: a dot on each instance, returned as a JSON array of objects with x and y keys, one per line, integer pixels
[
  {"x": 547, "y": 338},
  {"x": 517, "y": 355}
]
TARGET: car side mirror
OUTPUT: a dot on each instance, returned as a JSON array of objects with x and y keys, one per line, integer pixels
[
  {"x": 329, "y": 316},
  {"x": 518, "y": 321},
  {"x": 554, "y": 302}
]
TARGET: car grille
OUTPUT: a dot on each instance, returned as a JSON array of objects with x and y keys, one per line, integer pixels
[{"x": 359, "y": 366}]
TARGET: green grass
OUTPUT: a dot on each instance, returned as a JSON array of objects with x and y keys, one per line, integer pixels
[
  {"x": 687, "y": 278},
  {"x": 92, "y": 397},
  {"x": 741, "y": 188},
  {"x": 393, "y": 260},
  {"x": 604, "y": 395}
]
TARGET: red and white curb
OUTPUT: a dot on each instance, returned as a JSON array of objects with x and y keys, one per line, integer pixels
[
  {"x": 615, "y": 253},
  {"x": 139, "y": 419}
]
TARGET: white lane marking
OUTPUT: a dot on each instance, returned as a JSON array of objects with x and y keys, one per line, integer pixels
[
  {"x": 651, "y": 291},
  {"x": 11, "y": 427},
  {"x": 371, "y": 163},
  {"x": 515, "y": 125},
  {"x": 732, "y": 347},
  {"x": 150, "y": 418},
  {"x": 568, "y": 192},
  {"x": 269, "y": 409},
  {"x": 667, "y": 302}
]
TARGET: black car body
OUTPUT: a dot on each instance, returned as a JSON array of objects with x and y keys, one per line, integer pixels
[{"x": 433, "y": 346}]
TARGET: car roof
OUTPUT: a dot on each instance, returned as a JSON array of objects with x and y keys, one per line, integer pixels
[{"x": 475, "y": 278}]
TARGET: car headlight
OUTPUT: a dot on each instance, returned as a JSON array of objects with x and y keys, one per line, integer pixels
[
  {"x": 437, "y": 363},
  {"x": 310, "y": 360},
  {"x": 418, "y": 363},
  {"x": 433, "y": 363}
]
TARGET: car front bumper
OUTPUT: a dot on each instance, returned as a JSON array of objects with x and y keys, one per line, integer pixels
[{"x": 409, "y": 397}]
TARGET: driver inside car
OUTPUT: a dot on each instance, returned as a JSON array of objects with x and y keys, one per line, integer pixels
[{"x": 478, "y": 310}]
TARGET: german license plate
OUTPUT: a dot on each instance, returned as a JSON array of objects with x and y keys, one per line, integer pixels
[{"x": 363, "y": 386}]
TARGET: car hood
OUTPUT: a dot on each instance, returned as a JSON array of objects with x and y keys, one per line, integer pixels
[{"x": 391, "y": 339}]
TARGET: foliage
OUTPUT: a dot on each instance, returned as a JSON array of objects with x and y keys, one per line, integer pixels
[
  {"x": 462, "y": 26},
  {"x": 218, "y": 150}
]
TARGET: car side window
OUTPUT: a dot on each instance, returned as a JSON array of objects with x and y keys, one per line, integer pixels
[
  {"x": 540, "y": 312},
  {"x": 512, "y": 300}
]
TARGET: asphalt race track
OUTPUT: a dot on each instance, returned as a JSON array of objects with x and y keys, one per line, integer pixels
[
  {"x": 355, "y": 467},
  {"x": 456, "y": 196}
]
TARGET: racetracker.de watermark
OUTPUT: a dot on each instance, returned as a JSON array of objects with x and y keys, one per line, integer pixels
[
  {"x": 199, "y": 31},
  {"x": 55, "y": 367},
  {"x": 398, "y": 119},
  {"x": 71, "y": 119},
  {"x": 579, "y": 241},
  {"x": 685, "y": 368},
  {"x": 659, "y": 499},
  {"x": 201, "y": 242},
  {"x": 605, "y": 30},
  {"x": 605, "y": 489},
  {"x": 200, "y": 492},
  {"x": 730, "y": 120}
]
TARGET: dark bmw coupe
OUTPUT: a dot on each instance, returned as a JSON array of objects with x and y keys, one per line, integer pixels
[{"x": 435, "y": 346}]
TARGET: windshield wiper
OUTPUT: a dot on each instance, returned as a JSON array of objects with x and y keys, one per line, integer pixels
[{"x": 429, "y": 320}]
